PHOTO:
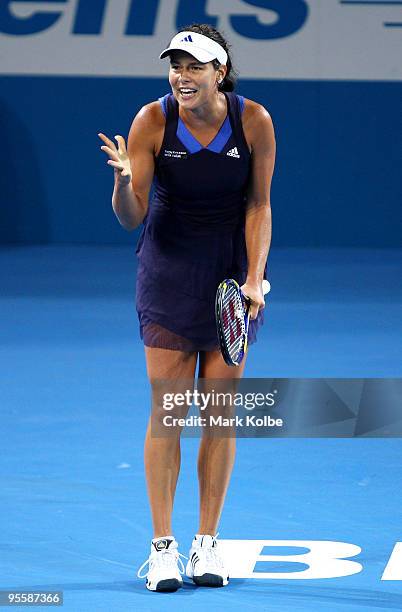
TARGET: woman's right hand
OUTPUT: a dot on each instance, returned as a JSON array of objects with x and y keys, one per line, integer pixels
[{"x": 118, "y": 158}]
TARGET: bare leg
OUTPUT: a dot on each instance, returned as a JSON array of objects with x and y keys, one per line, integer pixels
[
  {"x": 216, "y": 454},
  {"x": 162, "y": 454}
]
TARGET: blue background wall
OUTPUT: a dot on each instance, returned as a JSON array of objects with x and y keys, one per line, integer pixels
[{"x": 337, "y": 180}]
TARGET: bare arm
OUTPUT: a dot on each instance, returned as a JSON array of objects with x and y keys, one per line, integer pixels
[
  {"x": 134, "y": 167},
  {"x": 258, "y": 226}
]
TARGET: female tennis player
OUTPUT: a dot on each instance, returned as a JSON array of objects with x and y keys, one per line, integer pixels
[{"x": 210, "y": 155}]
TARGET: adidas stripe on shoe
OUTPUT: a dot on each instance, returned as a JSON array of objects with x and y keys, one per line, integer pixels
[
  {"x": 164, "y": 566},
  {"x": 205, "y": 565}
]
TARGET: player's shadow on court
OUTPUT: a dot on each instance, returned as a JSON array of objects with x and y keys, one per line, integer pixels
[{"x": 135, "y": 586}]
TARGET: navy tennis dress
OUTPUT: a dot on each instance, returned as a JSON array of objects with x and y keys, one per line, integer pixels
[{"x": 194, "y": 233}]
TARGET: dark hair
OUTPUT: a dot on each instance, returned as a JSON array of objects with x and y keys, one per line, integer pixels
[{"x": 229, "y": 82}]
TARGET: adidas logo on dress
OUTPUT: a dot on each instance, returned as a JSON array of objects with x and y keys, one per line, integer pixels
[{"x": 233, "y": 152}]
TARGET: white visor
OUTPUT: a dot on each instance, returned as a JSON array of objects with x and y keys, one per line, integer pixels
[{"x": 199, "y": 46}]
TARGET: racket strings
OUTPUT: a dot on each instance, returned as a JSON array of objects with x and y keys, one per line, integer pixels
[{"x": 234, "y": 327}]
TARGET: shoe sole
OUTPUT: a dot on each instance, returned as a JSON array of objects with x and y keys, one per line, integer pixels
[
  {"x": 167, "y": 586},
  {"x": 209, "y": 580}
]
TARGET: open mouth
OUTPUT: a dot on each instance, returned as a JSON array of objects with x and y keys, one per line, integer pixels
[{"x": 187, "y": 93}]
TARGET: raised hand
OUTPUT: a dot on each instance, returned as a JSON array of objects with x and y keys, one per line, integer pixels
[{"x": 118, "y": 158}]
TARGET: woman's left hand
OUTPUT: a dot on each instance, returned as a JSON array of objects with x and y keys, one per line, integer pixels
[{"x": 254, "y": 292}]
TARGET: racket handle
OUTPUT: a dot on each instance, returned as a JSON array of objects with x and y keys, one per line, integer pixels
[{"x": 266, "y": 287}]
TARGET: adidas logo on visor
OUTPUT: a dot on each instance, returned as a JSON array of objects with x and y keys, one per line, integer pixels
[
  {"x": 205, "y": 48},
  {"x": 233, "y": 152}
]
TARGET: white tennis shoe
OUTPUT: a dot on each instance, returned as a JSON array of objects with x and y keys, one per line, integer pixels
[
  {"x": 164, "y": 566},
  {"x": 205, "y": 565}
]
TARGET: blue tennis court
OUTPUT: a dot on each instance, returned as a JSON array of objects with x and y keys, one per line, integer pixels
[{"x": 75, "y": 402}]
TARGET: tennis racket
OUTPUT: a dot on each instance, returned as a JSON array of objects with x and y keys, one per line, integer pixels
[{"x": 232, "y": 312}]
